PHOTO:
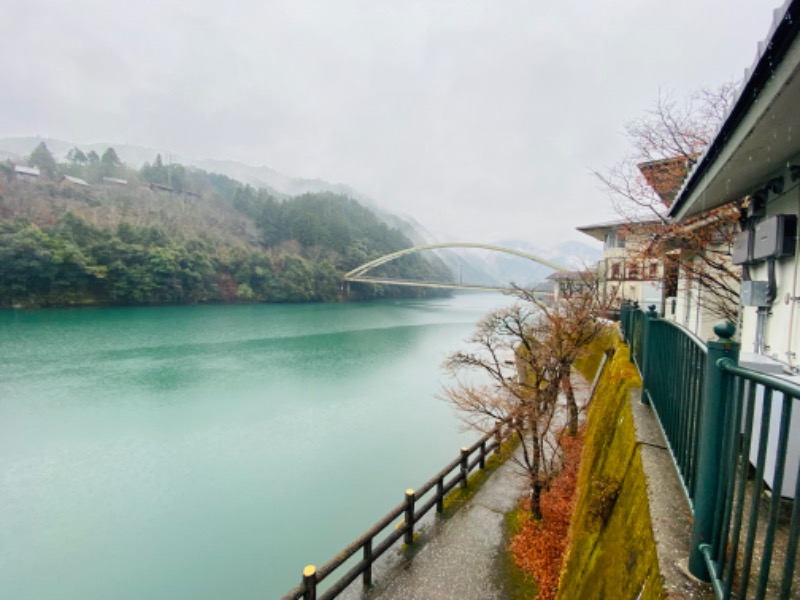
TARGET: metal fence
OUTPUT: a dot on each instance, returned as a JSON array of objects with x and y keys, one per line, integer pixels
[{"x": 734, "y": 434}]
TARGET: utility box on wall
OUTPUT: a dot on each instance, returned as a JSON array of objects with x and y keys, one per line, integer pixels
[
  {"x": 775, "y": 237},
  {"x": 742, "y": 252},
  {"x": 754, "y": 293}
]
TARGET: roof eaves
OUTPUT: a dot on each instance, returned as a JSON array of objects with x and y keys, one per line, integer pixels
[{"x": 771, "y": 51}]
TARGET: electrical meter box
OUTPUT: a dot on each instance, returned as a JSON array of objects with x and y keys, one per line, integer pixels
[
  {"x": 742, "y": 248},
  {"x": 754, "y": 293},
  {"x": 775, "y": 237}
]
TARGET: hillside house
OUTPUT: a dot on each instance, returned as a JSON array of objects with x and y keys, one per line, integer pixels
[
  {"x": 567, "y": 283},
  {"x": 622, "y": 272},
  {"x": 26, "y": 173},
  {"x": 707, "y": 283},
  {"x": 75, "y": 181},
  {"x": 757, "y": 154}
]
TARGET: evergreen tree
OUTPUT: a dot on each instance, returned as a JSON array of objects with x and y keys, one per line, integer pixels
[{"x": 43, "y": 159}]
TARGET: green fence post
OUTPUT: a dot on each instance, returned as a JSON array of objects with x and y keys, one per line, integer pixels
[
  {"x": 623, "y": 318},
  {"x": 631, "y": 336},
  {"x": 647, "y": 343},
  {"x": 709, "y": 448}
]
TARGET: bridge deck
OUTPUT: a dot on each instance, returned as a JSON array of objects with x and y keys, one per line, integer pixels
[{"x": 434, "y": 284}]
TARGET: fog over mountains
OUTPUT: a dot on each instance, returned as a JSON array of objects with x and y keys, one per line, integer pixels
[{"x": 474, "y": 266}]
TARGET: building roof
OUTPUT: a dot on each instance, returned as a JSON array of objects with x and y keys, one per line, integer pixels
[
  {"x": 76, "y": 180},
  {"x": 665, "y": 176},
  {"x": 571, "y": 275},
  {"x": 32, "y": 171},
  {"x": 599, "y": 230},
  {"x": 759, "y": 135}
]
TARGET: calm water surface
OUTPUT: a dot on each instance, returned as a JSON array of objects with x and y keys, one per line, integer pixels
[{"x": 212, "y": 452}]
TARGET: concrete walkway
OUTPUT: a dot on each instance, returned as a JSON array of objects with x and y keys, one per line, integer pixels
[{"x": 462, "y": 560}]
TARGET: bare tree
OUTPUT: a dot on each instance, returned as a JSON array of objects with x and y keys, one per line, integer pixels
[
  {"x": 527, "y": 351},
  {"x": 666, "y": 142},
  {"x": 573, "y": 324}
]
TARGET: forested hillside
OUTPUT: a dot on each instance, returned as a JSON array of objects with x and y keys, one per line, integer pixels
[{"x": 90, "y": 230}]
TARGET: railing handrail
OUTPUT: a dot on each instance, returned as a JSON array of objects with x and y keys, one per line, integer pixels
[
  {"x": 776, "y": 383},
  {"x": 462, "y": 466},
  {"x": 668, "y": 322},
  {"x": 721, "y": 424},
  {"x": 698, "y": 341}
]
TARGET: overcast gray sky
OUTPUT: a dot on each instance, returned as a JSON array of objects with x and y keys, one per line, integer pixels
[{"x": 481, "y": 119}]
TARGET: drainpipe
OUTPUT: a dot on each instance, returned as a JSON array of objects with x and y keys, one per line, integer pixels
[
  {"x": 791, "y": 356},
  {"x": 759, "y": 345}
]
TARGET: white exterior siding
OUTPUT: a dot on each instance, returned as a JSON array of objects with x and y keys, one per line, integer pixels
[{"x": 782, "y": 323}]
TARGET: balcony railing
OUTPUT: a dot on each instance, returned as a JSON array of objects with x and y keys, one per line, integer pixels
[{"x": 734, "y": 435}]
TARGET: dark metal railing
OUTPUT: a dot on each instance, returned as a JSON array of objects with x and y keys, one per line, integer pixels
[
  {"x": 379, "y": 538},
  {"x": 731, "y": 432},
  {"x": 754, "y": 535},
  {"x": 675, "y": 371},
  {"x": 632, "y": 320}
]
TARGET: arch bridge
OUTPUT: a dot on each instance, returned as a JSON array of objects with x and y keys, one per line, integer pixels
[{"x": 359, "y": 273}]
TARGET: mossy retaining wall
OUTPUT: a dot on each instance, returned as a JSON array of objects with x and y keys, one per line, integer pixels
[{"x": 612, "y": 552}]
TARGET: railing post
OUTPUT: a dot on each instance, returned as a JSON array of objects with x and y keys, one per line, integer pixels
[
  {"x": 464, "y": 463},
  {"x": 709, "y": 447},
  {"x": 409, "y": 536},
  {"x": 498, "y": 435},
  {"x": 366, "y": 576},
  {"x": 630, "y": 336},
  {"x": 647, "y": 342},
  {"x": 440, "y": 496},
  {"x": 482, "y": 459},
  {"x": 624, "y": 318},
  {"x": 310, "y": 579}
]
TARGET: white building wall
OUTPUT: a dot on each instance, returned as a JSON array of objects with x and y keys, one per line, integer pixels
[
  {"x": 782, "y": 331},
  {"x": 689, "y": 309}
]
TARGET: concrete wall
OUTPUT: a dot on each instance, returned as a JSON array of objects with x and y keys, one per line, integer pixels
[{"x": 612, "y": 552}]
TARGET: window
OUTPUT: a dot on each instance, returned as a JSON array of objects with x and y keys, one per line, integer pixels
[
  {"x": 653, "y": 272},
  {"x": 615, "y": 270},
  {"x": 615, "y": 239}
]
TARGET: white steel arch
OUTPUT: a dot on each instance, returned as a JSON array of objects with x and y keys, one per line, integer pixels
[{"x": 359, "y": 271}]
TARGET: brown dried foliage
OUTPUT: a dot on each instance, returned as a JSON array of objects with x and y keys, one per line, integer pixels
[
  {"x": 539, "y": 547},
  {"x": 666, "y": 143}
]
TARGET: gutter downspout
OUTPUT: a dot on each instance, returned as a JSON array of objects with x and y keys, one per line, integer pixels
[{"x": 791, "y": 355}]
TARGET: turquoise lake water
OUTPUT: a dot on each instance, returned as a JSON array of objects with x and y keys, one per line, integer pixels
[{"x": 212, "y": 452}]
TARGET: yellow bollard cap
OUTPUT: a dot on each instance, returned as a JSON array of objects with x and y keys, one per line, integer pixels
[{"x": 309, "y": 571}]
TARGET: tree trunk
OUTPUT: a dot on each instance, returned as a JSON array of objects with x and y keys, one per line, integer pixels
[
  {"x": 572, "y": 405},
  {"x": 535, "y": 494},
  {"x": 536, "y": 481}
]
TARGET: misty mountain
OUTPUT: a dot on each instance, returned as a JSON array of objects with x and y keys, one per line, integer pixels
[
  {"x": 476, "y": 267},
  {"x": 572, "y": 255},
  {"x": 278, "y": 184}
]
